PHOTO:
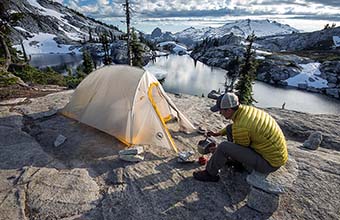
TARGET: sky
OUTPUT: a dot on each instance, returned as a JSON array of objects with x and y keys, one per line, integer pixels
[{"x": 176, "y": 15}]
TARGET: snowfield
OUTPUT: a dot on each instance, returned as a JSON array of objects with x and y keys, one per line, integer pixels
[{"x": 309, "y": 76}]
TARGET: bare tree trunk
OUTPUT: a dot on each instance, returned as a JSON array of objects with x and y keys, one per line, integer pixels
[
  {"x": 8, "y": 59},
  {"x": 127, "y": 12}
]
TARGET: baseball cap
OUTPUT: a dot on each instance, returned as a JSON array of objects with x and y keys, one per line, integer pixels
[{"x": 228, "y": 100}]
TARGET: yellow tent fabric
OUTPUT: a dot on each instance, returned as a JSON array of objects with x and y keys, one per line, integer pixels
[{"x": 128, "y": 103}]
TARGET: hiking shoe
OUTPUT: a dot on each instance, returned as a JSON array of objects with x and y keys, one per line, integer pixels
[{"x": 205, "y": 176}]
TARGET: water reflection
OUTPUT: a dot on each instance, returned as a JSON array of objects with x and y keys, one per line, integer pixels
[
  {"x": 183, "y": 77},
  {"x": 59, "y": 62}
]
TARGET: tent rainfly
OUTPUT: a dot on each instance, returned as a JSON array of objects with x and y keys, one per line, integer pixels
[{"x": 128, "y": 103}]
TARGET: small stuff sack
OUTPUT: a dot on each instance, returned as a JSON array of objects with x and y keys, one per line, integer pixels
[{"x": 132, "y": 154}]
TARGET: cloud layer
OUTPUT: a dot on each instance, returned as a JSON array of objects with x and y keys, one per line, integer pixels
[{"x": 196, "y": 8}]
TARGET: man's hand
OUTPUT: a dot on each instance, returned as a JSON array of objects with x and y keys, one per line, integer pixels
[
  {"x": 214, "y": 134},
  {"x": 212, "y": 149}
]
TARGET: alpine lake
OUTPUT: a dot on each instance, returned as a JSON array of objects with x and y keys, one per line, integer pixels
[{"x": 180, "y": 74}]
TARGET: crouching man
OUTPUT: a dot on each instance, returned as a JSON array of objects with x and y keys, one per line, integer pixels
[{"x": 254, "y": 139}]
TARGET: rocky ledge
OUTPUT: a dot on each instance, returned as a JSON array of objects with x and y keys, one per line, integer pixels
[{"x": 78, "y": 178}]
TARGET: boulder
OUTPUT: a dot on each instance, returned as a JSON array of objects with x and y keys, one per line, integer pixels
[
  {"x": 314, "y": 140},
  {"x": 266, "y": 188},
  {"x": 55, "y": 194},
  {"x": 262, "y": 202}
]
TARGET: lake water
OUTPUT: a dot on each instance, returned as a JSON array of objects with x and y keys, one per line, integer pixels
[
  {"x": 183, "y": 76},
  {"x": 58, "y": 62}
]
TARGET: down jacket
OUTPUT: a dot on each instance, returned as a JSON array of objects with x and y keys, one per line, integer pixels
[{"x": 255, "y": 128}]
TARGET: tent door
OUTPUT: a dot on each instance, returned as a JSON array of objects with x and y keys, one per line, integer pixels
[{"x": 153, "y": 91}]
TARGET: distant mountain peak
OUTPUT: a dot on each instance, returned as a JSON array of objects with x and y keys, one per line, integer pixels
[{"x": 241, "y": 28}]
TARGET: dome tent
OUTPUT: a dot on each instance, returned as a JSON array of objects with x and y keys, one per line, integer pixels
[{"x": 128, "y": 103}]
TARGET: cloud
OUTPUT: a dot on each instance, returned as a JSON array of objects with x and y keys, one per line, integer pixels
[
  {"x": 103, "y": 9},
  {"x": 334, "y": 3}
]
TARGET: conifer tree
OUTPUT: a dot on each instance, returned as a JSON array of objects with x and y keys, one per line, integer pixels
[
  {"x": 106, "y": 47},
  {"x": 128, "y": 14},
  {"x": 24, "y": 51},
  {"x": 87, "y": 62},
  {"x": 244, "y": 86},
  {"x": 136, "y": 50},
  {"x": 6, "y": 20},
  {"x": 232, "y": 74}
]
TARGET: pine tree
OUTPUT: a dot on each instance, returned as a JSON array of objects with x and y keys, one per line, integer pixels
[
  {"x": 244, "y": 86},
  {"x": 127, "y": 14},
  {"x": 106, "y": 47},
  {"x": 87, "y": 62},
  {"x": 6, "y": 20},
  {"x": 24, "y": 51},
  {"x": 232, "y": 74},
  {"x": 136, "y": 50}
]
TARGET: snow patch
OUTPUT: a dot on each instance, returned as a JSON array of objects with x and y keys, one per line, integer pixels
[
  {"x": 45, "y": 11},
  {"x": 44, "y": 43},
  {"x": 20, "y": 29},
  {"x": 308, "y": 76},
  {"x": 176, "y": 47}
]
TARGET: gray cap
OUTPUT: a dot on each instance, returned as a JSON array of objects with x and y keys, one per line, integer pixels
[{"x": 228, "y": 100}]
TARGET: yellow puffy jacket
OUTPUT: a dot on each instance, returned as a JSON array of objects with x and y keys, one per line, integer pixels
[{"x": 256, "y": 128}]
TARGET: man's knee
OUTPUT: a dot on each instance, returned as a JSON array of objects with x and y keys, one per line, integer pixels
[{"x": 224, "y": 147}]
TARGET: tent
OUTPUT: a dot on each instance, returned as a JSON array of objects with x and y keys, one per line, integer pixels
[{"x": 127, "y": 103}]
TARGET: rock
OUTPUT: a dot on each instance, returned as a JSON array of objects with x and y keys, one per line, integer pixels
[
  {"x": 9, "y": 118},
  {"x": 59, "y": 140},
  {"x": 332, "y": 79},
  {"x": 55, "y": 194},
  {"x": 331, "y": 85},
  {"x": 85, "y": 179},
  {"x": 312, "y": 89},
  {"x": 299, "y": 125},
  {"x": 131, "y": 157},
  {"x": 276, "y": 182},
  {"x": 333, "y": 92},
  {"x": 258, "y": 180},
  {"x": 265, "y": 189},
  {"x": 13, "y": 101},
  {"x": 132, "y": 150},
  {"x": 157, "y": 32},
  {"x": 12, "y": 205},
  {"x": 45, "y": 106},
  {"x": 262, "y": 201},
  {"x": 118, "y": 176},
  {"x": 314, "y": 140},
  {"x": 302, "y": 86},
  {"x": 282, "y": 83}
]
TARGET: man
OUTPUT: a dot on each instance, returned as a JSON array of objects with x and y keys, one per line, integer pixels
[{"x": 254, "y": 139}]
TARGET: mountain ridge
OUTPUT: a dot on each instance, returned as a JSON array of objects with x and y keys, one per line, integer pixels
[
  {"x": 243, "y": 28},
  {"x": 55, "y": 22}
]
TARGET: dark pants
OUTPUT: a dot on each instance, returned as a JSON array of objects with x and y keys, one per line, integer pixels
[{"x": 245, "y": 155}]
